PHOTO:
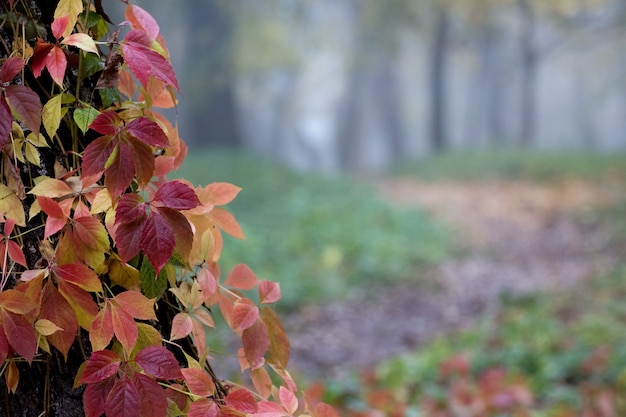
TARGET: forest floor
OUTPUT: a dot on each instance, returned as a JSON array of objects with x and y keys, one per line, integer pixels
[{"x": 513, "y": 237}]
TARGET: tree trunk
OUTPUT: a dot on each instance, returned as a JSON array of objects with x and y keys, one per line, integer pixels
[
  {"x": 529, "y": 60},
  {"x": 210, "y": 77},
  {"x": 438, "y": 80}
]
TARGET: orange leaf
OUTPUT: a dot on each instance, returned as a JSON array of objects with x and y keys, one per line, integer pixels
[
  {"x": 14, "y": 301},
  {"x": 241, "y": 277},
  {"x": 12, "y": 376},
  {"x": 262, "y": 382},
  {"x": 324, "y": 410},
  {"x": 124, "y": 327},
  {"x": 136, "y": 304},
  {"x": 101, "y": 331},
  {"x": 81, "y": 301},
  {"x": 279, "y": 350},
  {"x": 226, "y": 221},
  {"x": 269, "y": 292},
  {"x": 58, "y": 311},
  {"x": 222, "y": 192}
]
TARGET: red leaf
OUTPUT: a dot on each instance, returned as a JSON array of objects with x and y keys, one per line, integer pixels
[
  {"x": 256, "y": 343},
  {"x": 11, "y": 67},
  {"x": 58, "y": 311},
  {"x": 148, "y": 132},
  {"x": 38, "y": 60},
  {"x": 130, "y": 209},
  {"x": 96, "y": 155},
  {"x": 80, "y": 276},
  {"x": 119, "y": 169},
  {"x": 59, "y": 25},
  {"x": 81, "y": 301},
  {"x": 157, "y": 241},
  {"x": 144, "y": 161},
  {"x": 25, "y": 106},
  {"x": 176, "y": 195},
  {"x": 140, "y": 19},
  {"x": 15, "y": 302},
  {"x": 241, "y": 277},
  {"x": 20, "y": 334},
  {"x": 183, "y": 233},
  {"x": 158, "y": 362},
  {"x": 95, "y": 397},
  {"x": 107, "y": 123},
  {"x": 198, "y": 382},
  {"x": 100, "y": 366},
  {"x": 6, "y": 120},
  {"x": 57, "y": 216},
  {"x": 244, "y": 315},
  {"x": 123, "y": 400},
  {"x": 203, "y": 408},
  {"x": 242, "y": 400},
  {"x": 128, "y": 238},
  {"x": 4, "y": 345},
  {"x": 269, "y": 292},
  {"x": 152, "y": 396},
  {"x": 56, "y": 63},
  {"x": 144, "y": 62}
]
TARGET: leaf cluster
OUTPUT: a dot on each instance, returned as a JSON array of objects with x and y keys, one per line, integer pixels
[{"x": 96, "y": 239}]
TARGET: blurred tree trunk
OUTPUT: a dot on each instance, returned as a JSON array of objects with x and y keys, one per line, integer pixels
[
  {"x": 439, "y": 78},
  {"x": 386, "y": 90},
  {"x": 212, "y": 115},
  {"x": 529, "y": 59}
]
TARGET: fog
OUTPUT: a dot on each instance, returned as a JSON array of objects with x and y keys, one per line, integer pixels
[{"x": 358, "y": 85}]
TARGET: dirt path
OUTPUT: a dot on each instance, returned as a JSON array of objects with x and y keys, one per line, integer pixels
[{"x": 515, "y": 237}]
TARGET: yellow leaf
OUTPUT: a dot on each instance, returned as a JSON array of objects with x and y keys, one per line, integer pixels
[
  {"x": 32, "y": 154},
  {"x": 123, "y": 274},
  {"x": 11, "y": 206},
  {"x": 51, "y": 115},
  {"x": 147, "y": 335},
  {"x": 71, "y": 8},
  {"x": 46, "y": 327},
  {"x": 38, "y": 140},
  {"x": 12, "y": 376},
  {"x": 52, "y": 188}
]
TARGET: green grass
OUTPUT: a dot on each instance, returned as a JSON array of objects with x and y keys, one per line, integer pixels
[
  {"x": 320, "y": 237},
  {"x": 515, "y": 164}
]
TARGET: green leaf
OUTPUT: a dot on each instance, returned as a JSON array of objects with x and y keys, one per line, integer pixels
[
  {"x": 83, "y": 116},
  {"x": 151, "y": 287},
  {"x": 109, "y": 96},
  {"x": 92, "y": 64}
]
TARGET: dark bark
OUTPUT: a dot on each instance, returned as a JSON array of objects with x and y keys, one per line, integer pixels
[{"x": 438, "y": 80}]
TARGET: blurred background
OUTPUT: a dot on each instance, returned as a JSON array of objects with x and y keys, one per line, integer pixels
[
  {"x": 336, "y": 85},
  {"x": 438, "y": 185}
]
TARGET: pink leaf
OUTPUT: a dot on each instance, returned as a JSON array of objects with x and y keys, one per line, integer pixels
[
  {"x": 244, "y": 315},
  {"x": 100, "y": 366},
  {"x": 288, "y": 400},
  {"x": 241, "y": 277},
  {"x": 222, "y": 192},
  {"x": 157, "y": 241},
  {"x": 144, "y": 62},
  {"x": 11, "y": 67},
  {"x": 198, "y": 382},
  {"x": 148, "y": 132},
  {"x": 269, "y": 292},
  {"x": 176, "y": 195},
  {"x": 25, "y": 106},
  {"x": 242, "y": 400},
  {"x": 158, "y": 362},
  {"x": 59, "y": 25},
  {"x": 56, "y": 62},
  {"x": 181, "y": 326},
  {"x": 123, "y": 400},
  {"x": 140, "y": 19}
]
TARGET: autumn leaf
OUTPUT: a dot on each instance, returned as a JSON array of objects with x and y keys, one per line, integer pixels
[
  {"x": 242, "y": 400},
  {"x": 6, "y": 120},
  {"x": 148, "y": 132},
  {"x": 58, "y": 311},
  {"x": 84, "y": 116},
  {"x": 198, "y": 382},
  {"x": 269, "y": 292},
  {"x": 25, "y": 106},
  {"x": 181, "y": 326},
  {"x": 158, "y": 362},
  {"x": 95, "y": 395},
  {"x": 144, "y": 61},
  {"x": 256, "y": 343},
  {"x": 11, "y": 67},
  {"x": 241, "y": 277},
  {"x": 123, "y": 399},
  {"x": 71, "y": 9},
  {"x": 141, "y": 19},
  {"x": 153, "y": 400},
  {"x": 82, "y": 41},
  {"x": 100, "y": 366},
  {"x": 204, "y": 408},
  {"x": 20, "y": 334},
  {"x": 244, "y": 315},
  {"x": 11, "y": 206},
  {"x": 279, "y": 349}
]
